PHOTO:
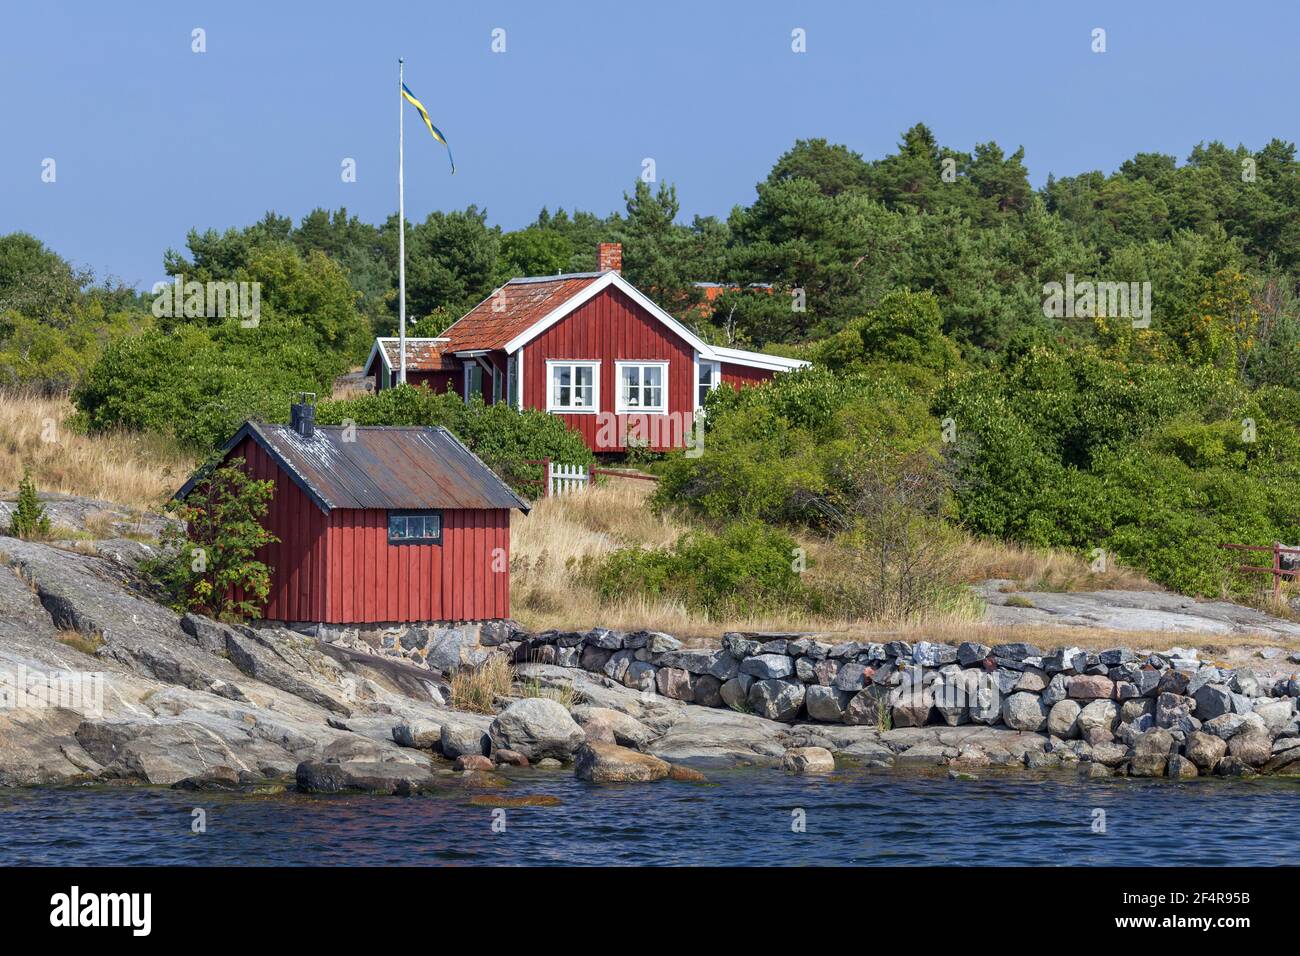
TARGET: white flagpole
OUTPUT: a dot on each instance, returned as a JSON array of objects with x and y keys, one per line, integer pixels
[{"x": 401, "y": 227}]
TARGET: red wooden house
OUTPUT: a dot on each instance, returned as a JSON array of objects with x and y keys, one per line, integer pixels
[
  {"x": 378, "y": 525},
  {"x": 588, "y": 347}
]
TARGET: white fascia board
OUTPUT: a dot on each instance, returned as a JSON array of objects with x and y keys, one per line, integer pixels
[
  {"x": 774, "y": 363},
  {"x": 600, "y": 285}
]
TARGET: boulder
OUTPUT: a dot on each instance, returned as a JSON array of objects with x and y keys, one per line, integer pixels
[
  {"x": 768, "y": 666},
  {"x": 463, "y": 738},
  {"x": 776, "y": 699},
  {"x": 826, "y": 703},
  {"x": 470, "y": 762},
  {"x": 808, "y": 760},
  {"x": 392, "y": 778},
  {"x": 1251, "y": 747},
  {"x": 1276, "y": 714},
  {"x": 1148, "y": 765},
  {"x": 1092, "y": 687},
  {"x": 911, "y": 709},
  {"x": 675, "y": 683},
  {"x": 1024, "y": 712},
  {"x": 1212, "y": 700},
  {"x": 1181, "y": 768},
  {"x": 627, "y": 730},
  {"x": 536, "y": 727},
  {"x": 414, "y": 732},
  {"x": 868, "y": 706},
  {"x": 608, "y": 763},
  {"x": 1173, "y": 710},
  {"x": 852, "y": 677},
  {"x": 640, "y": 675},
  {"x": 1098, "y": 714},
  {"x": 708, "y": 690},
  {"x": 735, "y": 692},
  {"x": 1063, "y": 719},
  {"x": 1155, "y": 741}
]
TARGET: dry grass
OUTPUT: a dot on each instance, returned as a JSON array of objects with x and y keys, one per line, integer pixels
[
  {"x": 1043, "y": 569},
  {"x": 476, "y": 689},
  {"x": 136, "y": 470},
  {"x": 86, "y": 643},
  {"x": 559, "y": 532}
]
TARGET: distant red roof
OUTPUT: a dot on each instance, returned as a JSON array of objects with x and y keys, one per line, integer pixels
[
  {"x": 422, "y": 355},
  {"x": 512, "y": 310}
]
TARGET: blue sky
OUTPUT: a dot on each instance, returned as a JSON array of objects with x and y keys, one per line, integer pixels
[{"x": 151, "y": 139}]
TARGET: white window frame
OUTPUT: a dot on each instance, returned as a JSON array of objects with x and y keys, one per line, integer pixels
[
  {"x": 552, "y": 365},
  {"x": 622, "y": 409},
  {"x": 716, "y": 368}
]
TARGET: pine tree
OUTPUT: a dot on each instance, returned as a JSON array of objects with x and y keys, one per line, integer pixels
[{"x": 29, "y": 519}]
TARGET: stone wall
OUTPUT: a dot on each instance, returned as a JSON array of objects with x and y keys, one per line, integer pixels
[{"x": 1153, "y": 713}]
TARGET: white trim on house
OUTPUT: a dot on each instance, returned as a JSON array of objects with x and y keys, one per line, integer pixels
[
  {"x": 519, "y": 374},
  {"x": 594, "y": 365},
  {"x": 619, "y": 407},
  {"x": 775, "y": 363},
  {"x": 590, "y": 292},
  {"x": 715, "y": 378}
]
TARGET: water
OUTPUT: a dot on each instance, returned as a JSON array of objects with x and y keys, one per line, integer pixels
[{"x": 742, "y": 817}]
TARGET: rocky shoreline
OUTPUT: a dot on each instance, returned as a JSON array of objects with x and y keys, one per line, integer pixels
[
  {"x": 186, "y": 702},
  {"x": 1114, "y": 713}
]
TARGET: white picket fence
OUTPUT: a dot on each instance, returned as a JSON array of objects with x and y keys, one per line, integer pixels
[{"x": 567, "y": 479}]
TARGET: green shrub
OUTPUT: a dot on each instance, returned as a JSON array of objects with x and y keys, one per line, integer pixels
[
  {"x": 747, "y": 567},
  {"x": 769, "y": 450},
  {"x": 29, "y": 520},
  {"x": 213, "y": 551},
  {"x": 504, "y": 437}
]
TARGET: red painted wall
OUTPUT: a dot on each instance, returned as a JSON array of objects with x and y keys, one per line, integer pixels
[
  {"x": 738, "y": 376},
  {"x": 340, "y": 569},
  {"x": 608, "y": 328},
  {"x": 298, "y": 560},
  {"x": 372, "y": 581}
]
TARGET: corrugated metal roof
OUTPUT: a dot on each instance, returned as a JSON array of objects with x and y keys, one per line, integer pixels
[{"x": 383, "y": 467}]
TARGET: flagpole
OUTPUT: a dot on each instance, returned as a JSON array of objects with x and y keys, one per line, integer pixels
[{"x": 401, "y": 228}]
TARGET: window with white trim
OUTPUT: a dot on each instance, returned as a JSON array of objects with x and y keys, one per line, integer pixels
[
  {"x": 573, "y": 386},
  {"x": 642, "y": 386},
  {"x": 710, "y": 378}
]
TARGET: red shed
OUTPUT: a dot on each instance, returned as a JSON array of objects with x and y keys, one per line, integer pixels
[
  {"x": 590, "y": 348},
  {"x": 378, "y": 525}
]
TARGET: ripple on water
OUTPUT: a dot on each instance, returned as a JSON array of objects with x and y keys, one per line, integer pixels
[{"x": 743, "y": 817}]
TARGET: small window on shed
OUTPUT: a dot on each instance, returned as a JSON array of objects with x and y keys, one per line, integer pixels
[{"x": 414, "y": 527}]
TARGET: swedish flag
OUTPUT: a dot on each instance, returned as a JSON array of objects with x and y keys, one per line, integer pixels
[{"x": 437, "y": 133}]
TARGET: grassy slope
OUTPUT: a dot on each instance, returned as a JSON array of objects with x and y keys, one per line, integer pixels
[{"x": 139, "y": 471}]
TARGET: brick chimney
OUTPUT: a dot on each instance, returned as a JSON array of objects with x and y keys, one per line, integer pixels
[{"x": 609, "y": 257}]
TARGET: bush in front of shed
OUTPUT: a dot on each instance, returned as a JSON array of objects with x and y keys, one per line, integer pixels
[{"x": 208, "y": 563}]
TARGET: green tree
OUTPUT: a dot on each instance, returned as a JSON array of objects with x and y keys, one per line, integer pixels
[
  {"x": 208, "y": 561},
  {"x": 29, "y": 520}
]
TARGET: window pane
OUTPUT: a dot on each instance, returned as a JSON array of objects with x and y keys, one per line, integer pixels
[
  {"x": 653, "y": 397},
  {"x": 584, "y": 375},
  {"x": 653, "y": 375}
]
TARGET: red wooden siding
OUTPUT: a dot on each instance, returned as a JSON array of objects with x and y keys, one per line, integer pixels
[
  {"x": 738, "y": 376},
  {"x": 299, "y": 559},
  {"x": 340, "y": 569},
  {"x": 375, "y": 582},
  {"x": 610, "y": 327}
]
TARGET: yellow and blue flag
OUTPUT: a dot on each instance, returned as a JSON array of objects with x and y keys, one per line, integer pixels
[{"x": 437, "y": 133}]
